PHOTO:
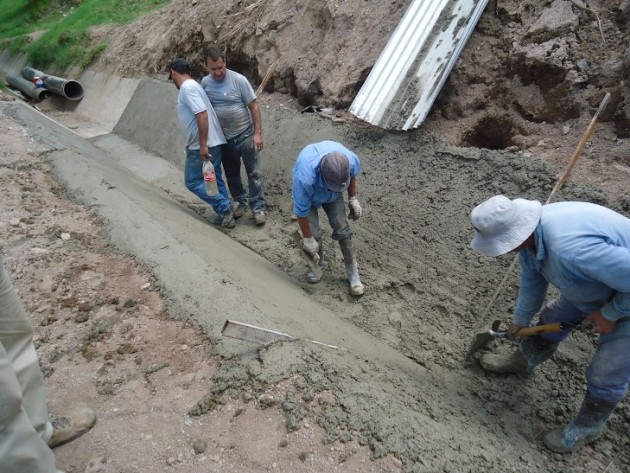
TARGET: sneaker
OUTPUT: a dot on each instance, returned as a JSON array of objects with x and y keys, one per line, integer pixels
[
  {"x": 227, "y": 220},
  {"x": 260, "y": 217},
  {"x": 68, "y": 428},
  {"x": 240, "y": 209}
]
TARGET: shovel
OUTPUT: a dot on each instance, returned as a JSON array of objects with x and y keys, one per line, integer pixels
[
  {"x": 483, "y": 338},
  {"x": 313, "y": 263}
]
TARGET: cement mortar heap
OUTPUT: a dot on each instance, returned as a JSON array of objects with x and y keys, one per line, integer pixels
[{"x": 398, "y": 381}]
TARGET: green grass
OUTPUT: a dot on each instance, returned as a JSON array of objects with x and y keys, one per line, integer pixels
[{"x": 66, "y": 39}]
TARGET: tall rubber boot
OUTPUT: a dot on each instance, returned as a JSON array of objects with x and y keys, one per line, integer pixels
[
  {"x": 310, "y": 275},
  {"x": 352, "y": 269},
  {"x": 584, "y": 428},
  {"x": 531, "y": 352}
]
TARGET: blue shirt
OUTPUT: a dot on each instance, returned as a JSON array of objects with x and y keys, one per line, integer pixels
[
  {"x": 192, "y": 100},
  {"x": 584, "y": 250},
  {"x": 309, "y": 188},
  {"x": 230, "y": 98}
]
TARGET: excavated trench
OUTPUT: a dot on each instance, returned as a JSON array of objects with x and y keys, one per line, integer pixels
[{"x": 426, "y": 291}]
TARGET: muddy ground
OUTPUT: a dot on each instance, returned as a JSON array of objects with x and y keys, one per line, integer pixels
[
  {"x": 106, "y": 340},
  {"x": 292, "y": 406}
]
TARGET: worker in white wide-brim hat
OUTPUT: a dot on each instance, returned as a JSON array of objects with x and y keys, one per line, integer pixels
[{"x": 582, "y": 249}]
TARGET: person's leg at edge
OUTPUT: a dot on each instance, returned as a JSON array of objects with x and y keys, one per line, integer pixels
[
  {"x": 607, "y": 379},
  {"x": 336, "y": 212},
  {"x": 533, "y": 351},
  {"x": 316, "y": 231},
  {"x": 24, "y": 426},
  {"x": 193, "y": 177}
]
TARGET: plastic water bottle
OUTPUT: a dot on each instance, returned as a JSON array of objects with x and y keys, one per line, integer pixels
[{"x": 210, "y": 178}]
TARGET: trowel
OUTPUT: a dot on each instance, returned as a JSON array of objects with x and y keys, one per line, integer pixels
[
  {"x": 313, "y": 263},
  {"x": 483, "y": 338}
]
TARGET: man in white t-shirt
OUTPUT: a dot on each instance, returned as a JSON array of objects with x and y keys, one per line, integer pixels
[
  {"x": 204, "y": 140},
  {"x": 234, "y": 102}
]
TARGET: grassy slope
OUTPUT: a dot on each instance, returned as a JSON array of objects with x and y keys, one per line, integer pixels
[{"x": 66, "y": 24}]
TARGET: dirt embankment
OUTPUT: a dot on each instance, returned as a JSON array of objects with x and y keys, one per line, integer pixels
[{"x": 530, "y": 77}]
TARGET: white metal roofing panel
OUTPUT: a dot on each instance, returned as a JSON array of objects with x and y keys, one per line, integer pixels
[{"x": 410, "y": 72}]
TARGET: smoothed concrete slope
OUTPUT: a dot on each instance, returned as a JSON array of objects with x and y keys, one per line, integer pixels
[{"x": 208, "y": 276}]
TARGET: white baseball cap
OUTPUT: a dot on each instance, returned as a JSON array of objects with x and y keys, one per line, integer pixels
[{"x": 503, "y": 224}]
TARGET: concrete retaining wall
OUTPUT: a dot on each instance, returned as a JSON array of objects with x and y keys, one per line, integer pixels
[
  {"x": 150, "y": 121},
  {"x": 105, "y": 99}
]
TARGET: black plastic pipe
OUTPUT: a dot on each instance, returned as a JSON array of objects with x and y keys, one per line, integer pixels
[
  {"x": 27, "y": 87},
  {"x": 67, "y": 88}
]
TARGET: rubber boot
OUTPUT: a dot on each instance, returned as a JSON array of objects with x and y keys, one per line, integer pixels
[
  {"x": 310, "y": 275},
  {"x": 531, "y": 352},
  {"x": 352, "y": 269},
  {"x": 584, "y": 428}
]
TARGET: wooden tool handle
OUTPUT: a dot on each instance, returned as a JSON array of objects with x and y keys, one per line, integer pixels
[
  {"x": 539, "y": 329},
  {"x": 576, "y": 154}
]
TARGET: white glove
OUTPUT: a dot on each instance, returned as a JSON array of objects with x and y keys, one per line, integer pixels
[
  {"x": 355, "y": 208},
  {"x": 311, "y": 246}
]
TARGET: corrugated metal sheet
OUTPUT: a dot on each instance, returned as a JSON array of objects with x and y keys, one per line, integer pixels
[{"x": 415, "y": 63}]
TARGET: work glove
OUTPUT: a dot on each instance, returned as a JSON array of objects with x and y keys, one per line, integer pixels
[
  {"x": 311, "y": 246},
  {"x": 355, "y": 208}
]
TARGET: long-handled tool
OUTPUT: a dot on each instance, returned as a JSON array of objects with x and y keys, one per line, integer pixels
[
  {"x": 563, "y": 179},
  {"x": 313, "y": 263},
  {"x": 483, "y": 338}
]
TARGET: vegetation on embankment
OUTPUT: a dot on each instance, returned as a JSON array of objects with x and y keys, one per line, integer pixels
[{"x": 56, "y": 33}]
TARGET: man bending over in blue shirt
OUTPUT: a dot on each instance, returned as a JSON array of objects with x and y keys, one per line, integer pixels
[
  {"x": 322, "y": 172},
  {"x": 582, "y": 249}
]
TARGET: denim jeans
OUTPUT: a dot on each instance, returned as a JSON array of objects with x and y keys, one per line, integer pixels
[
  {"x": 242, "y": 147},
  {"x": 608, "y": 373},
  {"x": 336, "y": 212},
  {"x": 193, "y": 177}
]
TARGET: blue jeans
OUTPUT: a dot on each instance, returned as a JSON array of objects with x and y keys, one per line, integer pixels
[
  {"x": 608, "y": 374},
  {"x": 242, "y": 147},
  {"x": 336, "y": 212},
  {"x": 193, "y": 178}
]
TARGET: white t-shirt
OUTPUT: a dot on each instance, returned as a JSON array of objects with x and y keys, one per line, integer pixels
[{"x": 193, "y": 100}]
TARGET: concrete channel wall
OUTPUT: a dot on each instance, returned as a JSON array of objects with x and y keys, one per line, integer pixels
[{"x": 150, "y": 121}]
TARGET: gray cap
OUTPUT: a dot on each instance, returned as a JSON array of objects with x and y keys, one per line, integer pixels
[
  {"x": 179, "y": 65},
  {"x": 335, "y": 169}
]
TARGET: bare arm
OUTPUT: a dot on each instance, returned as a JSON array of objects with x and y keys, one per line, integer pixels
[
  {"x": 352, "y": 187},
  {"x": 254, "y": 109},
  {"x": 304, "y": 227},
  {"x": 202, "y": 123}
]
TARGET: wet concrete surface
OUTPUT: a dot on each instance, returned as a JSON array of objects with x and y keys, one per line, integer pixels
[{"x": 400, "y": 382}]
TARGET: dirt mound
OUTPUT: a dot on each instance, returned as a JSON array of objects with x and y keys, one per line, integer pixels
[{"x": 530, "y": 77}]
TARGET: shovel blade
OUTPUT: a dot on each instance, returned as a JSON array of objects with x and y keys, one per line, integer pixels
[
  {"x": 482, "y": 339},
  {"x": 312, "y": 264}
]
